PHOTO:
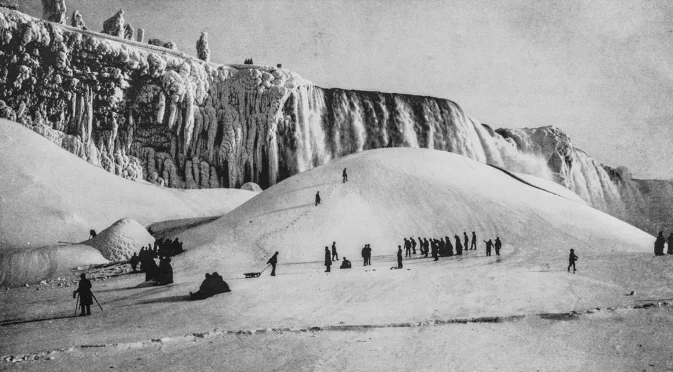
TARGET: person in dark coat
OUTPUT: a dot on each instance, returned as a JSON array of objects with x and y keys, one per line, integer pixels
[
  {"x": 334, "y": 252},
  {"x": 328, "y": 260},
  {"x": 659, "y": 244},
  {"x": 670, "y": 243},
  {"x": 165, "y": 271},
  {"x": 92, "y": 234},
  {"x": 151, "y": 269},
  {"x": 449, "y": 246},
  {"x": 273, "y": 261},
  {"x": 212, "y": 285},
  {"x": 364, "y": 254},
  {"x": 572, "y": 258},
  {"x": 85, "y": 295},
  {"x": 399, "y": 256},
  {"x": 344, "y": 175},
  {"x": 498, "y": 245},
  {"x": 369, "y": 255},
  {"x": 459, "y": 247},
  {"x": 473, "y": 246},
  {"x": 426, "y": 246},
  {"x": 345, "y": 264},
  {"x": 413, "y": 245},
  {"x": 435, "y": 248},
  {"x": 317, "y": 198},
  {"x": 467, "y": 241},
  {"x": 407, "y": 248},
  {"x": 134, "y": 261},
  {"x": 489, "y": 245}
]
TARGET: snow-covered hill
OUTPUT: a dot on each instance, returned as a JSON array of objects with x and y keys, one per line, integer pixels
[{"x": 401, "y": 192}]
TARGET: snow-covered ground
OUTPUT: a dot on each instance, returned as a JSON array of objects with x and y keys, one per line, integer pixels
[{"x": 518, "y": 311}]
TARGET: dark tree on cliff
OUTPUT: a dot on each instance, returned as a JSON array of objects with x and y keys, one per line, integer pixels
[
  {"x": 115, "y": 25},
  {"x": 202, "y": 50},
  {"x": 54, "y": 11},
  {"x": 77, "y": 21}
]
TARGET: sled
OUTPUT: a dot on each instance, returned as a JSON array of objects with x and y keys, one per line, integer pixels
[{"x": 255, "y": 275}]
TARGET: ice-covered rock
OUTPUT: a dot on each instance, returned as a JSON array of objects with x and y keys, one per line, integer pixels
[{"x": 54, "y": 11}]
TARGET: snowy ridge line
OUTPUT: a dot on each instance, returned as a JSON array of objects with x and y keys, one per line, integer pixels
[
  {"x": 526, "y": 182},
  {"x": 568, "y": 315}
]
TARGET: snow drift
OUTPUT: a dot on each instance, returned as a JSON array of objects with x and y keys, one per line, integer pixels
[
  {"x": 35, "y": 264},
  {"x": 119, "y": 241},
  {"x": 49, "y": 195},
  {"x": 396, "y": 193}
]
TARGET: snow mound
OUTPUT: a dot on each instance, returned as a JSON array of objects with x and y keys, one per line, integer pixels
[
  {"x": 400, "y": 192},
  {"x": 119, "y": 241},
  {"x": 35, "y": 264},
  {"x": 251, "y": 186},
  {"x": 48, "y": 194}
]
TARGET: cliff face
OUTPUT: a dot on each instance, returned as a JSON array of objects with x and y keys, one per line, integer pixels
[{"x": 147, "y": 112}]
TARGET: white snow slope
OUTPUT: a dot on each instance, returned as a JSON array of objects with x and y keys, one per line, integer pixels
[
  {"x": 396, "y": 193},
  {"x": 49, "y": 195}
]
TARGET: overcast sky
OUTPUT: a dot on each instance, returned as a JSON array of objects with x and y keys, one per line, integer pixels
[{"x": 601, "y": 70}]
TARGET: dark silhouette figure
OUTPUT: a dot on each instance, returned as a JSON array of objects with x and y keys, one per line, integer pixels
[
  {"x": 92, "y": 234},
  {"x": 273, "y": 261},
  {"x": 426, "y": 247},
  {"x": 364, "y": 254},
  {"x": 459, "y": 247},
  {"x": 467, "y": 241},
  {"x": 407, "y": 248},
  {"x": 134, "y": 261},
  {"x": 280, "y": 65},
  {"x": 345, "y": 264},
  {"x": 413, "y": 245},
  {"x": 435, "y": 248},
  {"x": 369, "y": 254},
  {"x": 449, "y": 246},
  {"x": 572, "y": 258},
  {"x": 151, "y": 269},
  {"x": 165, "y": 271},
  {"x": 334, "y": 252},
  {"x": 659, "y": 244},
  {"x": 399, "y": 257},
  {"x": 85, "y": 295},
  {"x": 344, "y": 175},
  {"x": 317, "y": 198},
  {"x": 212, "y": 285},
  {"x": 489, "y": 245},
  {"x": 670, "y": 244},
  {"x": 498, "y": 245},
  {"x": 328, "y": 260},
  {"x": 473, "y": 246}
]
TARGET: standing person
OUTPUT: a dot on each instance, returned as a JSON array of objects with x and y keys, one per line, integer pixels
[
  {"x": 334, "y": 252},
  {"x": 659, "y": 244},
  {"x": 399, "y": 257},
  {"x": 344, "y": 175},
  {"x": 364, "y": 254},
  {"x": 317, "y": 198},
  {"x": 572, "y": 258},
  {"x": 670, "y": 244},
  {"x": 273, "y": 261},
  {"x": 85, "y": 295},
  {"x": 413, "y": 245},
  {"x": 134, "y": 261},
  {"x": 369, "y": 255},
  {"x": 467, "y": 241},
  {"x": 407, "y": 248},
  {"x": 498, "y": 245},
  {"x": 435, "y": 247},
  {"x": 459, "y": 247},
  {"x": 473, "y": 246},
  {"x": 426, "y": 246},
  {"x": 489, "y": 245},
  {"x": 449, "y": 246},
  {"x": 328, "y": 260}
]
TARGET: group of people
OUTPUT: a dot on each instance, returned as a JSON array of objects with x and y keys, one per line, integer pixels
[
  {"x": 661, "y": 241},
  {"x": 161, "y": 274},
  {"x": 443, "y": 247},
  {"x": 212, "y": 285}
]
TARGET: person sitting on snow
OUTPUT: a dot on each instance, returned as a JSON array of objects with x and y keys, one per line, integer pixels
[
  {"x": 345, "y": 264},
  {"x": 212, "y": 285}
]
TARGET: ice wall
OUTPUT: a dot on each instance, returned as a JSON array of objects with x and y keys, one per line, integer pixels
[{"x": 147, "y": 112}]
